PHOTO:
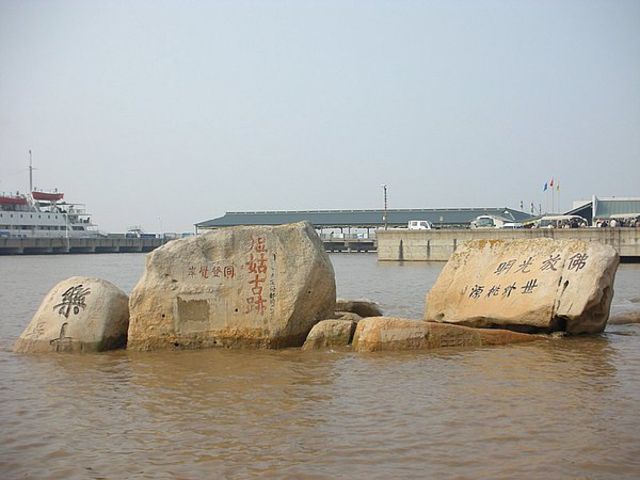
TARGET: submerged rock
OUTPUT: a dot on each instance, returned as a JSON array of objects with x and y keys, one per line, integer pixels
[
  {"x": 242, "y": 286},
  {"x": 330, "y": 334},
  {"x": 398, "y": 334},
  {"x": 624, "y": 314},
  {"x": 538, "y": 285},
  {"x": 354, "y": 317},
  {"x": 364, "y": 308},
  {"x": 80, "y": 314}
]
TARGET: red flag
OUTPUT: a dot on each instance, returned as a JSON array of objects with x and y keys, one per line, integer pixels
[{"x": 551, "y": 183}]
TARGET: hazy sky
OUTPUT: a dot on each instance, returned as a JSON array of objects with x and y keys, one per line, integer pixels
[{"x": 169, "y": 113}]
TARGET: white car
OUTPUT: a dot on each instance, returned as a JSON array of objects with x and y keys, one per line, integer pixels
[{"x": 419, "y": 225}]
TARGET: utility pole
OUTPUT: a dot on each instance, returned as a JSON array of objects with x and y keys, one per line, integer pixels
[
  {"x": 384, "y": 215},
  {"x": 30, "y": 173}
]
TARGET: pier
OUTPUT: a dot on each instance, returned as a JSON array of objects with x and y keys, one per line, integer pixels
[
  {"x": 35, "y": 246},
  {"x": 402, "y": 244},
  {"x": 348, "y": 244},
  {"x": 51, "y": 246}
]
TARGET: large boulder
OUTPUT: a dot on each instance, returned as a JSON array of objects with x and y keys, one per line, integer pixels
[
  {"x": 80, "y": 314},
  {"x": 330, "y": 334},
  {"x": 538, "y": 285},
  {"x": 398, "y": 334},
  {"x": 262, "y": 287}
]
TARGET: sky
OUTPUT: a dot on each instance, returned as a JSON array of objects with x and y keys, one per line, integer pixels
[{"x": 167, "y": 113}]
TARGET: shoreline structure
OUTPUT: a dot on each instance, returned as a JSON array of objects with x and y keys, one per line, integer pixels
[{"x": 399, "y": 244}]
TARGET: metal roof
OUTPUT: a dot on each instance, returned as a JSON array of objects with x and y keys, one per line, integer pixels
[
  {"x": 361, "y": 218},
  {"x": 605, "y": 207}
]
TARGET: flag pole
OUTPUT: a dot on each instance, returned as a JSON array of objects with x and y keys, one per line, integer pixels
[{"x": 558, "y": 188}]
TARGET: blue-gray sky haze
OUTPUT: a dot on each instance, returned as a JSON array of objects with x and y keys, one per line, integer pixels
[{"x": 166, "y": 113}]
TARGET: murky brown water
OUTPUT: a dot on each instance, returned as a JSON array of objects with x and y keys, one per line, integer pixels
[{"x": 563, "y": 409}]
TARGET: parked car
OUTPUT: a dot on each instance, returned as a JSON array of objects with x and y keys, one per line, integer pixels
[{"x": 419, "y": 225}]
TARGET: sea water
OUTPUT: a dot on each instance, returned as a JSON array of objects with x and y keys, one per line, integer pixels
[{"x": 559, "y": 409}]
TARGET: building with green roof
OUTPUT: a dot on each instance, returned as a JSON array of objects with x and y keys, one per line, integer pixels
[{"x": 363, "y": 219}]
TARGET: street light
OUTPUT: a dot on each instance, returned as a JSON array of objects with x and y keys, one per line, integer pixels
[{"x": 384, "y": 214}]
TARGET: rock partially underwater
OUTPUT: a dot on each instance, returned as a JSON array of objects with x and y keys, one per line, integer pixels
[
  {"x": 538, "y": 285},
  {"x": 261, "y": 287},
  {"x": 330, "y": 334},
  {"x": 377, "y": 334},
  {"x": 80, "y": 314}
]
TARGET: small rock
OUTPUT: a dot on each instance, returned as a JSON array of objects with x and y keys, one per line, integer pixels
[
  {"x": 330, "y": 334},
  {"x": 557, "y": 335},
  {"x": 364, "y": 308},
  {"x": 623, "y": 314},
  {"x": 80, "y": 314},
  {"x": 354, "y": 317}
]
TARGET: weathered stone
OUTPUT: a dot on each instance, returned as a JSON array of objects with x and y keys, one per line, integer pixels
[
  {"x": 79, "y": 314},
  {"x": 623, "y": 314},
  {"x": 538, "y": 285},
  {"x": 396, "y": 334},
  {"x": 262, "y": 287},
  {"x": 364, "y": 308},
  {"x": 330, "y": 334},
  {"x": 354, "y": 317}
]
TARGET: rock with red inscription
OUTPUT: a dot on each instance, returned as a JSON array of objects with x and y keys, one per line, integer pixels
[
  {"x": 262, "y": 287},
  {"x": 80, "y": 314},
  {"x": 537, "y": 285}
]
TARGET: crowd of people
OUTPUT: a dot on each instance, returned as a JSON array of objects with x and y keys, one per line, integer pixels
[{"x": 626, "y": 221}]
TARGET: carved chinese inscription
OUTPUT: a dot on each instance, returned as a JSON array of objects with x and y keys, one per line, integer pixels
[
  {"x": 506, "y": 293},
  {"x": 530, "y": 285},
  {"x": 73, "y": 299},
  {"x": 550, "y": 263},
  {"x": 519, "y": 266},
  {"x": 494, "y": 291},
  {"x": 578, "y": 261},
  {"x": 257, "y": 267},
  {"x": 211, "y": 271},
  {"x": 476, "y": 291},
  {"x": 524, "y": 266},
  {"x": 504, "y": 267}
]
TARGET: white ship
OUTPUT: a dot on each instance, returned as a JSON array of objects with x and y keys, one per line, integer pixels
[{"x": 40, "y": 214}]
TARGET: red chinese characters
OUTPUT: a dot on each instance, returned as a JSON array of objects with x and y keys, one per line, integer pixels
[{"x": 257, "y": 268}]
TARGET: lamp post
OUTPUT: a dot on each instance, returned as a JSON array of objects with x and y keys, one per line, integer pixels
[{"x": 384, "y": 214}]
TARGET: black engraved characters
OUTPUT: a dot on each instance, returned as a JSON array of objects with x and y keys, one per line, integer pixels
[
  {"x": 476, "y": 291},
  {"x": 72, "y": 298},
  {"x": 550, "y": 263},
  {"x": 506, "y": 293},
  {"x": 578, "y": 261},
  {"x": 524, "y": 266},
  {"x": 530, "y": 285},
  {"x": 504, "y": 267}
]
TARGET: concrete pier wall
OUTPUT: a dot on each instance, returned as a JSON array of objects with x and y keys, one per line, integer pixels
[
  {"x": 43, "y": 246},
  {"x": 438, "y": 245}
]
